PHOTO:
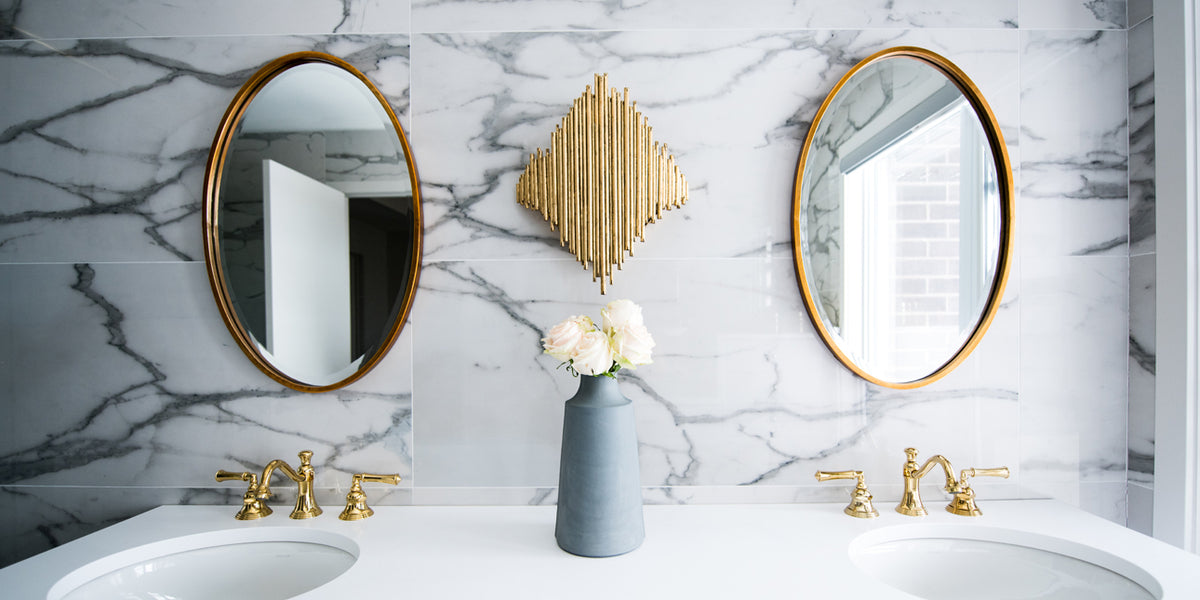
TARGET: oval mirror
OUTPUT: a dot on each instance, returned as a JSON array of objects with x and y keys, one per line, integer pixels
[
  {"x": 312, "y": 222},
  {"x": 902, "y": 218}
]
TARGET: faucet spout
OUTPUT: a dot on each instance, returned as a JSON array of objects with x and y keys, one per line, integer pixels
[
  {"x": 306, "y": 502},
  {"x": 938, "y": 459},
  {"x": 910, "y": 501},
  {"x": 264, "y": 487}
]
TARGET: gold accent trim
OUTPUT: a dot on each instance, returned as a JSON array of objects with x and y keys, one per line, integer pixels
[
  {"x": 602, "y": 180},
  {"x": 995, "y": 139},
  {"x": 213, "y": 172}
]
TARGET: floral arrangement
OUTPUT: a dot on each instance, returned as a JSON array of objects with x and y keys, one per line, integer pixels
[{"x": 622, "y": 343}]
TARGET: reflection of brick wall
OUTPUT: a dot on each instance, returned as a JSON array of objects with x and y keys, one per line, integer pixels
[{"x": 927, "y": 246}]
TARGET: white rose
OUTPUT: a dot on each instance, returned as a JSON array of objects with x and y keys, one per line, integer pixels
[
  {"x": 593, "y": 354},
  {"x": 561, "y": 340},
  {"x": 632, "y": 345},
  {"x": 620, "y": 313}
]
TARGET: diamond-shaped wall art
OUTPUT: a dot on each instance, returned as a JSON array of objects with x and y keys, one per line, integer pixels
[{"x": 603, "y": 179}]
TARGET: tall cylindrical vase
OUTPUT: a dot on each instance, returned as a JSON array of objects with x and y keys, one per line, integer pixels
[{"x": 599, "y": 484}]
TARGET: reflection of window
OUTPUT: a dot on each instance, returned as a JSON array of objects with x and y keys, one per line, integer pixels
[{"x": 914, "y": 271}]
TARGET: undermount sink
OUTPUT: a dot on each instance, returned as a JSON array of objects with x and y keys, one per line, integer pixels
[
  {"x": 265, "y": 564},
  {"x": 938, "y": 562}
]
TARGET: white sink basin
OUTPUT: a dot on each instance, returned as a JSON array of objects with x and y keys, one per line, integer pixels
[
  {"x": 952, "y": 562},
  {"x": 265, "y": 564}
]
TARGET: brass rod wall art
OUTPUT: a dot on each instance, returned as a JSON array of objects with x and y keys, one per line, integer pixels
[{"x": 603, "y": 179}]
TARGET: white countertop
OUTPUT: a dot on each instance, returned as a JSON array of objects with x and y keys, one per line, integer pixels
[{"x": 695, "y": 551}]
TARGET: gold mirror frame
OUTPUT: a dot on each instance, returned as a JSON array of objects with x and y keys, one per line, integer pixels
[
  {"x": 213, "y": 174},
  {"x": 1005, "y": 188}
]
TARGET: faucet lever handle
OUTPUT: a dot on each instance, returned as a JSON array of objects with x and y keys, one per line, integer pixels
[
  {"x": 356, "y": 500},
  {"x": 828, "y": 475},
  {"x": 392, "y": 478},
  {"x": 963, "y": 502},
  {"x": 992, "y": 472},
  {"x": 252, "y": 505},
  {"x": 860, "y": 499},
  {"x": 224, "y": 475}
]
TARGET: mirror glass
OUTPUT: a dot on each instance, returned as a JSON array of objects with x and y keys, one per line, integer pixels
[
  {"x": 312, "y": 222},
  {"x": 902, "y": 217}
]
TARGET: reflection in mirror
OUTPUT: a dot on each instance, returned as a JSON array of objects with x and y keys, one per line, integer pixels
[
  {"x": 902, "y": 218},
  {"x": 312, "y": 222}
]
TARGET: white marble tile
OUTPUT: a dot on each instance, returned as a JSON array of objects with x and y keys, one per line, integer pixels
[
  {"x": 1108, "y": 500},
  {"x": 747, "y": 396},
  {"x": 144, "y": 387},
  {"x": 1072, "y": 14},
  {"x": 485, "y": 496},
  {"x": 1142, "y": 352},
  {"x": 490, "y": 411},
  {"x": 47, "y": 19},
  {"x": 539, "y": 15},
  {"x": 1141, "y": 139},
  {"x": 734, "y": 113},
  {"x": 129, "y": 392},
  {"x": 104, "y": 141},
  {"x": 886, "y": 494},
  {"x": 1074, "y": 144},
  {"x": 38, "y": 518},
  {"x": 1104, "y": 499},
  {"x": 1074, "y": 369}
]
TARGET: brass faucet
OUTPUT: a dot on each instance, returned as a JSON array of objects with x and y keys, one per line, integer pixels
[
  {"x": 254, "y": 504},
  {"x": 963, "y": 502}
]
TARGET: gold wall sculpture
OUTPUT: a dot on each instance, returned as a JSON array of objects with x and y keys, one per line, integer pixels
[{"x": 603, "y": 179}]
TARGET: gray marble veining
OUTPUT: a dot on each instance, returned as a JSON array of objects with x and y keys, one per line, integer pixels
[
  {"x": 1142, "y": 353},
  {"x": 1072, "y": 14},
  {"x": 486, "y": 100},
  {"x": 537, "y": 15},
  {"x": 1142, "y": 272},
  {"x": 1074, "y": 184},
  {"x": 1141, "y": 139},
  {"x": 142, "y": 394},
  {"x": 81, "y": 183},
  {"x": 146, "y": 415},
  {"x": 54, "y": 19}
]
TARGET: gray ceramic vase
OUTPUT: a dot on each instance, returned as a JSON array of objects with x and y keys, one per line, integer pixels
[{"x": 599, "y": 485}]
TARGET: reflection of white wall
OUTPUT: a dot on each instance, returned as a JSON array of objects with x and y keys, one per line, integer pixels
[{"x": 307, "y": 238}]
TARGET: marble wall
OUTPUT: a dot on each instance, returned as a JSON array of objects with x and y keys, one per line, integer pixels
[
  {"x": 121, "y": 388},
  {"x": 1143, "y": 255}
]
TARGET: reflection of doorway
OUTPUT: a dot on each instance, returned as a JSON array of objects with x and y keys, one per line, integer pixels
[
  {"x": 380, "y": 261},
  {"x": 306, "y": 238}
]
